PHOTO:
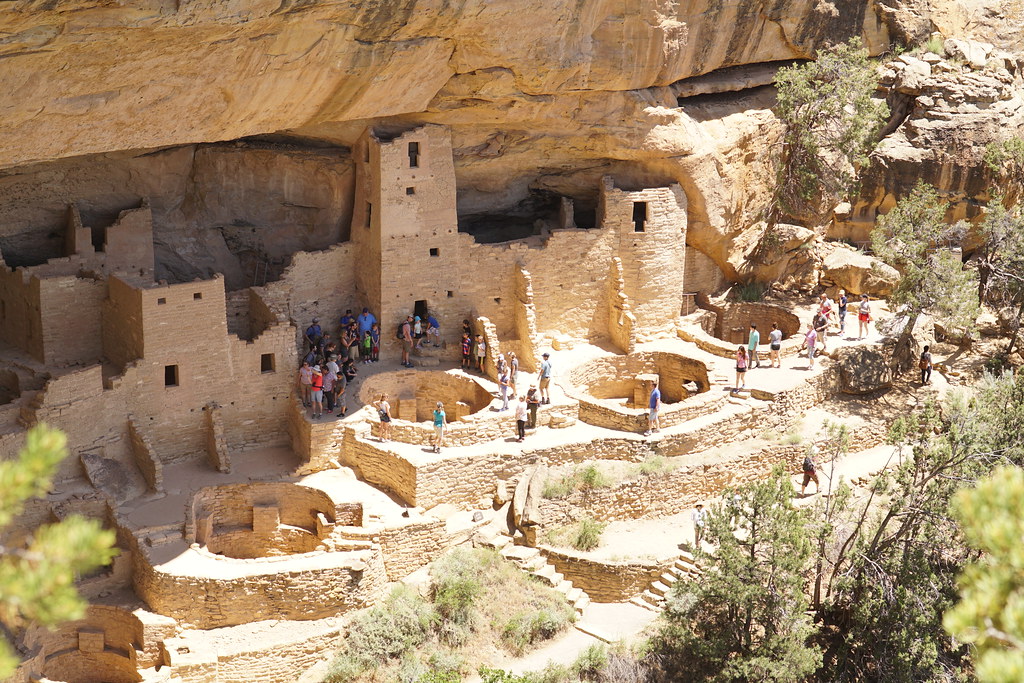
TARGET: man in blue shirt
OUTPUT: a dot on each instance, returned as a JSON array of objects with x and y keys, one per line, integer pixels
[
  {"x": 545, "y": 379},
  {"x": 366, "y": 321},
  {"x": 433, "y": 330},
  {"x": 347, "y": 319},
  {"x": 314, "y": 333},
  {"x": 655, "y": 405}
]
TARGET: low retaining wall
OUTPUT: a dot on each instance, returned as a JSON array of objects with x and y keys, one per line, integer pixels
[{"x": 604, "y": 580}]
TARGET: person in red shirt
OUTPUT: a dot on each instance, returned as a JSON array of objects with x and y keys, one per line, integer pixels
[{"x": 317, "y": 385}]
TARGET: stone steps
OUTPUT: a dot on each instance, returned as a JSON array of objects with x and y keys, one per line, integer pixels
[
  {"x": 533, "y": 563},
  {"x": 685, "y": 568}
]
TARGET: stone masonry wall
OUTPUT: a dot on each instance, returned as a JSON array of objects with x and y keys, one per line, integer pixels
[{"x": 606, "y": 581}]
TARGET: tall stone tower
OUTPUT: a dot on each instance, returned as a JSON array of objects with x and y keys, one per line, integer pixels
[{"x": 405, "y": 228}]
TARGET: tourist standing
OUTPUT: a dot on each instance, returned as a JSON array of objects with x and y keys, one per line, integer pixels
[
  {"x": 533, "y": 403},
  {"x": 925, "y": 364},
  {"x": 810, "y": 340},
  {"x": 821, "y": 328},
  {"x": 513, "y": 372},
  {"x": 317, "y": 391},
  {"x": 439, "y": 426},
  {"x": 375, "y": 338},
  {"x": 330, "y": 378},
  {"x": 752, "y": 341},
  {"x": 384, "y": 412},
  {"x": 417, "y": 332},
  {"x": 481, "y": 352},
  {"x": 313, "y": 334},
  {"x": 366, "y": 348},
  {"x": 653, "y": 406},
  {"x": 741, "y": 368},
  {"x": 467, "y": 351},
  {"x": 774, "y": 346},
  {"x": 503, "y": 387},
  {"x": 698, "y": 517},
  {"x": 406, "y": 337},
  {"x": 863, "y": 316},
  {"x": 521, "y": 416},
  {"x": 366, "y": 321},
  {"x": 544, "y": 375},
  {"x": 842, "y": 301},
  {"x": 305, "y": 377}
]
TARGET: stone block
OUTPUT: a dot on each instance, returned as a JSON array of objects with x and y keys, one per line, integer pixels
[{"x": 91, "y": 640}]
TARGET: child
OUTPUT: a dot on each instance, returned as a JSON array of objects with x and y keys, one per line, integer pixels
[
  {"x": 481, "y": 352},
  {"x": 366, "y": 350},
  {"x": 467, "y": 349},
  {"x": 375, "y": 339}
]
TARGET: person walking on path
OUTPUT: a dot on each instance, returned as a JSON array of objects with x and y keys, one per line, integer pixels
[
  {"x": 774, "y": 345},
  {"x": 384, "y": 412},
  {"x": 698, "y": 517},
  {"x": 925, "y": 364},
  {"x": 810, "y": 470},
  {"x": 741, "y": 368},
  {"x": 821, "y": 328},
  {"x": 842, "y": 301},
  {"x": 317, "y": 392},
  {"x": 533, "y": 403},
  {"x": 513, "y": 372},
  {"x": 440, "y": 420},
  {"x": 810, "y": 340},
  {"x": 305, "y": 379},
  {"x": 653, "y": 405},
  {"x": 521, "y": 416},
  {"x": 503, "y": 386},
  {"x": 406, "y": 341},
  {"x": 863, "y": 316},
  {"x": 544, "y": 377},
  {"x": 752, "y": 341}
]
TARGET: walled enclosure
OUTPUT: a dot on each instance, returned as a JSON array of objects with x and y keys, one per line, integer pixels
[
  {"x": 732, "y": 321},
  {"x": 414, "y": 394}
]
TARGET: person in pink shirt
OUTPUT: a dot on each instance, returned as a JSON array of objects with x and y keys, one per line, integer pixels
[{"x": 810, "y": 340}]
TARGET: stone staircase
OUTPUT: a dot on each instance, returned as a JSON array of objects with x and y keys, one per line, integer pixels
[
  {"x": 429, "y": 356},
  {"x": 533, "y": 563},
  {"x": 685, "y": 568}
]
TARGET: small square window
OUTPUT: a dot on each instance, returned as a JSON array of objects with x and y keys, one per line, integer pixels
[
  {"x": 435, "y": 251},
  {"x": 197, "y": 296},
  {"x": 267, "y": 362},
  {"x": 450, "y": 294},
  {"x": 410, "y": 190},
  {"x": 161, "y": 301},
  {"x": 170, "y": 375}
]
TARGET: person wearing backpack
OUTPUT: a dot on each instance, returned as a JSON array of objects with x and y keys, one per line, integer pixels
[
  {"x": 925, "y": 364},
  {"x": 810, "y": 470}
]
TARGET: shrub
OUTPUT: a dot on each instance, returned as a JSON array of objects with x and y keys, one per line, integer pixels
[
  {"x": 591, "y": 662},
  {"x": 751, "y": 291},
  {"x": 935, "y": 45},
  {"x": 588, "y": 534},
  {"x": 559, "y": 488},
  {"x": 456, "y": 585},
  {"x": 656, "y": 465},
  {"x": 592, "y": 478},
  {"x": 526, "y": 628},
  {"x": 390, "y": 631},
  {"x": 446, "y": 662},
  {"x": 584, "y": 479}
]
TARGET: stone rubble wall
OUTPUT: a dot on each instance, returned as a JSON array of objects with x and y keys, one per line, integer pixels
[{"x": 606, "y": 580}]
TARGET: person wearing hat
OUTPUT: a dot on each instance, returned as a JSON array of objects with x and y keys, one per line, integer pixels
[
  {"x": 365, "y": 321},
  {"x": 406, "y": 341},
  {"x": 313, "y": 334},
  {"x": 439, "y": 426},
  {"x": 417, "y": 332},
  {"x": 317, "y": 394},
  {"x": 532, "y": 403},
  {"x": 544, "y": 378}
]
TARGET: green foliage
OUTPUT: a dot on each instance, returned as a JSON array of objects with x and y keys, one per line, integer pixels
[
  {"x": 590, "y": 663},
  {"x": 935, "y": 45},
  {"x": 529, "y": 626},
  {"x": 388, "y": 632},
  {"x": 990, "y": 614},
  {"x": 456, "y": 586},
  {"x": 440, "y": 677},
  {"x": 751, "y": 291},
  {"x": 588, "y": 534},
  {"x": 999, "y": 259},
  {"x": 37, "y": 579},
  {"x": 832, "y": 122},
  {"x": 911, "y": 238},
  {"x": 745, "y": 620},
  {"x": 580, "y": 479},
  {"x": 1006, "y": 158},
  {"x": 656, "y": 466}
]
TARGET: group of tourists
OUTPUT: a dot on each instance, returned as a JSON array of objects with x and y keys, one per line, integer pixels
[
  {"x": 329, "y": 363},
  {"x": 526, "y": 406},
  {"x": 828, "y": 314}
]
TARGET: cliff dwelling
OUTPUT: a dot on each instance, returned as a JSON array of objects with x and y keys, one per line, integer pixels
[{"x": 324, "y": 297}]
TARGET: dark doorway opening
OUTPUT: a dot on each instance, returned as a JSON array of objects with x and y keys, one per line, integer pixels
[
  {"x": 420, "y": 309},
  {"x": 639, "y": 216}
]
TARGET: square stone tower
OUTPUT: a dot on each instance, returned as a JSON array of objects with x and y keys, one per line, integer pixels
[{"x": 405, "y": 228}]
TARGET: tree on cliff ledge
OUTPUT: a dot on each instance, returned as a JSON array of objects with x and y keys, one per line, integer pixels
[
  {"x": 37, "y": 576},
  {"x": 832, "y": 123}
]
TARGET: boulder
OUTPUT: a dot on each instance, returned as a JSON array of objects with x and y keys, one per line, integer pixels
[
  {"x": 859, "y": 273},
  {"x": 863, "y": 369},
  {"x": 527, "y": 497},
  {"x": 973, "y": 52}
]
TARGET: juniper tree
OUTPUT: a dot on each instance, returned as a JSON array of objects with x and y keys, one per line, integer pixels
[
  {"x": 37, "y": 575},
  {"x": 832, "y": 122}
]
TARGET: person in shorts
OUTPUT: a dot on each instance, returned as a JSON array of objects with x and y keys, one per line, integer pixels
[
  {"x": 841, "y": 302},
  {"x": 753, "y": 340},
  {"x": 532, "y": 404},
  {"x": 863, "y": 316},
  {"x": 810, "y": 341},
  {"x": 741, "y": 368},
  {"x": 810, "y": 470},
  {"x": 384, "y": 412},
  {"x": 317, "y": 392},
  {"x": 654, "y": 405},
  {"x": 440, "y": 423},
  {"x": 305, "y": 378},
  {"x": 774, "y": 346},
  {"x": 544, "y": 378},
  {"x": 467, "y": 351}
]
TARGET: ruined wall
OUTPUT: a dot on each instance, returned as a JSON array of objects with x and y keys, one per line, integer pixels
[
  {"x": 605, "y": 580},
  {"x": 21, "y": 324},
  {"x": 70, "y": 311}
]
